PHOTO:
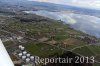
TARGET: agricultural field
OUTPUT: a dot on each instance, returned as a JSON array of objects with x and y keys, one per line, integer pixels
[
  {"x": 43, "y": 50},
  {"x": 88, "y": 51}
]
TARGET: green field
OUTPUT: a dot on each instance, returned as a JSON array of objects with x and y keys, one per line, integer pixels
[
  {"x": 8, "y": 43},
  {"x": 42, "y": 49},
  {"x": 85, "y": 51},
  {"x": 91, "y": 50}
]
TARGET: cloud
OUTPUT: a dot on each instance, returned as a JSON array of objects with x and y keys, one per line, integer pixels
[
  {"x": 85, "y": 23},
  {"x": 82, "y": 3}
]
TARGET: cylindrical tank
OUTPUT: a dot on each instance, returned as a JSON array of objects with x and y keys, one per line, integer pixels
[
  {"x": 24, "y": 52},
  {"x": 20, "y": 54},
  {"x": 28, "y": 55},
  {"x": 27, "y": 60},
  {"x": 32, "y": 58},
  {"x": 23, "y": 57},
  {"x": 22, "y": 48}
]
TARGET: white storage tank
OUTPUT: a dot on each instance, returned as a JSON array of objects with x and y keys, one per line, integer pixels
[
  {"x": 20, "y": 54},
  {"x": 23, "y": 57},
  {"x": 24, "y": 52},
  {"x": 28, "y": 55},
  {"x": 27, "y": 60},
  {"x": 32, "y": 58},
  {"x": 22, "y": 48}
]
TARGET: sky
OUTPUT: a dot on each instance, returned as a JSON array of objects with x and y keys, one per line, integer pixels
[{"x": 80, "y": 3}]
